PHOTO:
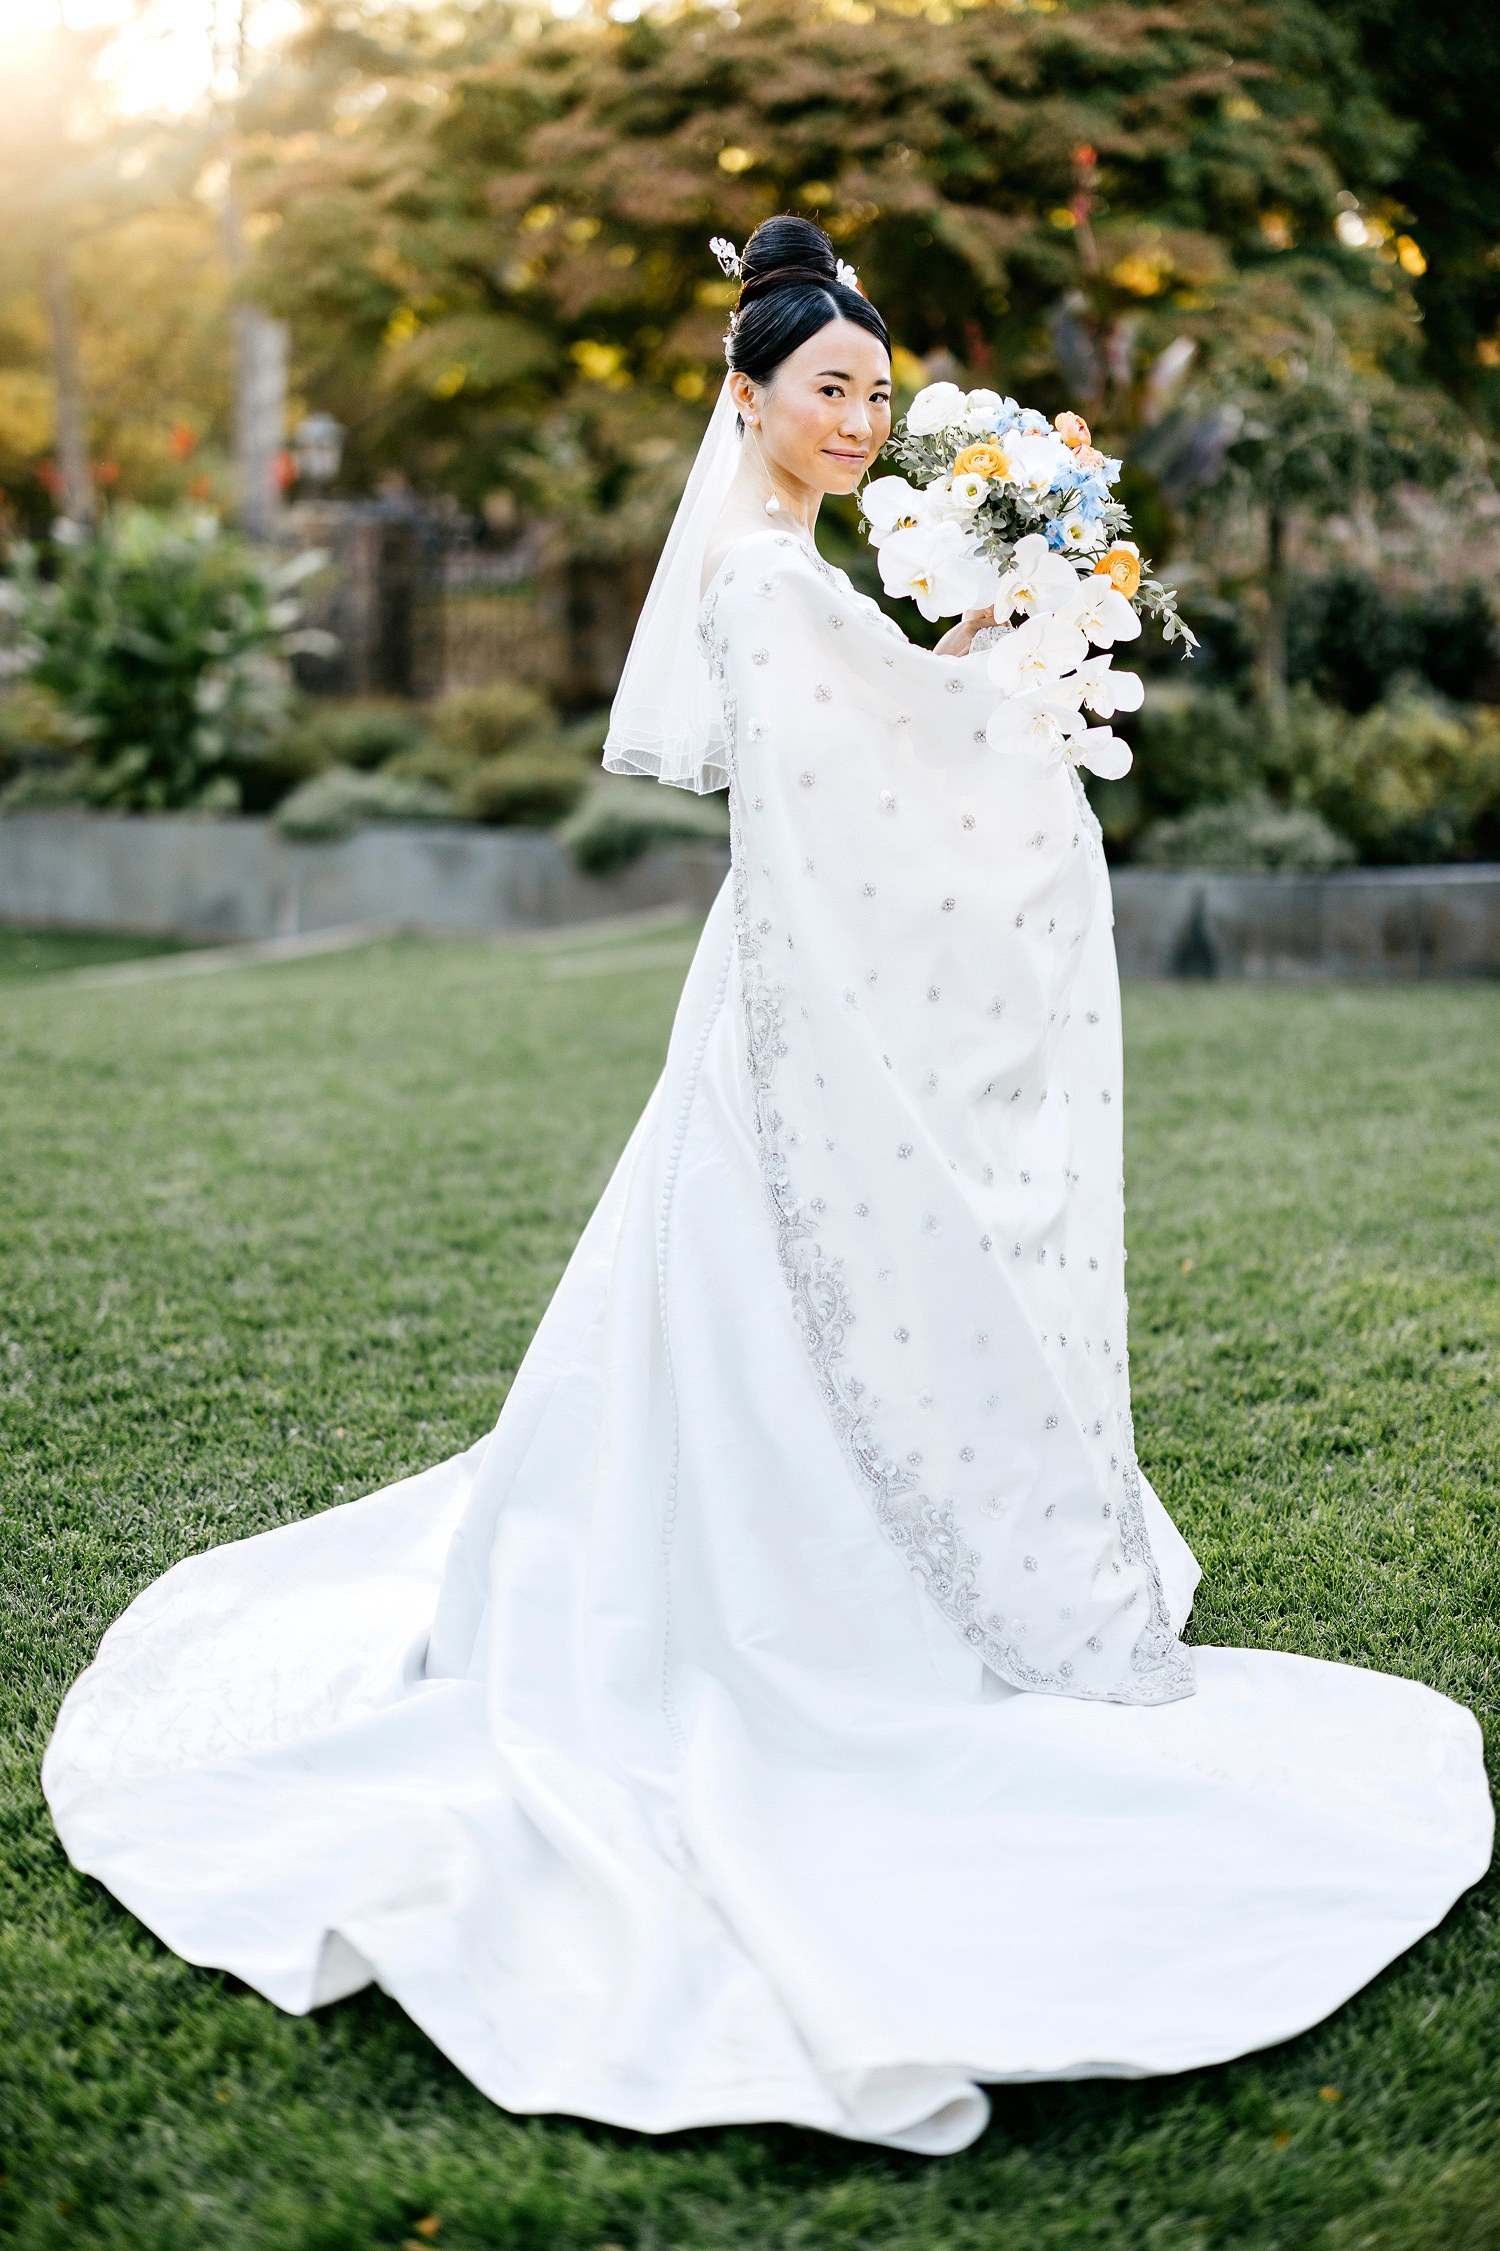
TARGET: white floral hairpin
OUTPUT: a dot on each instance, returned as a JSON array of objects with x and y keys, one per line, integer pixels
[
  {"x": 847, "y": 277},
  {"x": 728, "y": 257}
]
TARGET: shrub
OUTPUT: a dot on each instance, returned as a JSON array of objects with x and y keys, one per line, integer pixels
[
  {"x": 1411, "y": 781},
  {"x": 1350, "y": 640},
  {"x": 1194, "y": 746},
  {"x": 526, "y": 788},
  {"x": 362, "y": 732},
  {"x": 162, "y": 641},
  {"x": 475, "y": 726},
  {"x": 335, "y": 803},
  {"x": 1250, "y": 832},
  {"x": 621, "y": 819}
]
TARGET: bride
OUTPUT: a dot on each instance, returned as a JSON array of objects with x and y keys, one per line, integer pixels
[{"x": 784, "y": 1712}]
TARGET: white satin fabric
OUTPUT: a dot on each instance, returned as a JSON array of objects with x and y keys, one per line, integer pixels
[{"x": 662, "y": 1755}]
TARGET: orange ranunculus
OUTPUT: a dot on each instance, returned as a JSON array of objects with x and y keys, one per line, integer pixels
[
  {"x": 1071, "y": 428},
  {"x": 1122, "y": 569},
  {"x": 982, "y": 460}
]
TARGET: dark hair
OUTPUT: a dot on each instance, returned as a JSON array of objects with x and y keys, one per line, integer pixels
[{"x": 789, "y": 289}]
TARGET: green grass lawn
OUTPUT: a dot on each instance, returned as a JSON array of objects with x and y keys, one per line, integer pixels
[
  {"x": 27, "y": 950},
  {"x": 273, "y": 1238}
]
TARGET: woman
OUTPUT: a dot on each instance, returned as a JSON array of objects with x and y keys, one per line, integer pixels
[{"x": 783, "y": 1714}]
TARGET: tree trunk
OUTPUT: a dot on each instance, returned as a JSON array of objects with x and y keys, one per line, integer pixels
[
  {"x": 77, "y": 493},
  {"x": 1270, "y": 665}
]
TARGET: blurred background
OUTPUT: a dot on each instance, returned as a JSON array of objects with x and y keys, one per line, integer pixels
[{"x": 352, "y": 356}]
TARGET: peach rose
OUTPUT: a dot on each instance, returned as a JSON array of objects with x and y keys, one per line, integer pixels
[
  {"x": 1072, "y": 429},
  {"x": 1089, "y": 457},
  {"x": 982, "y": 460},
  {"x": 1122, "y": 569}
]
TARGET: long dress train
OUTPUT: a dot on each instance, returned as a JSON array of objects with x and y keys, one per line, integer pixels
[{"x": 783, "y": 1712}]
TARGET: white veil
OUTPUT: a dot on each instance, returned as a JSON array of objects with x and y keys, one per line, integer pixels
[{"x": 665, "y": 717}]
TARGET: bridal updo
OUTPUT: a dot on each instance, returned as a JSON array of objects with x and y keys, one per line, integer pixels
[{"x": 789, "y": 289}]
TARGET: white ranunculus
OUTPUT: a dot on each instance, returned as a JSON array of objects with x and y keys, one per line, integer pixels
[
  {"x": 1032, "y": 722},
  {"x": 937, "y": 567},
  {"x": 954, "y": 498},
  {"x": 891, "y": 504},
  {"x": 939, "y": 407},
  {"x": 1107, "y": 692},
  {"x": 1078, "y": 535},
  {"x": 1103, "y": 753},
  {"x": 982, "y": 410},
  {"x": 1037, "y": 579},
  {"x": 1036, "y": 654},
  {"x": 968, "y": 490},
  {"x": 1101, "y": 613}
]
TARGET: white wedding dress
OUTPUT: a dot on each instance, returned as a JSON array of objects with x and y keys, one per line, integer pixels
[{"x": 782, "y": 1714}]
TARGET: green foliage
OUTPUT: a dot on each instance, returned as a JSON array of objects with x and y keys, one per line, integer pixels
[
  {"x": 1248, "y": 833},
  {"x": 525, "y": 788},
  {"x": 359, "y": 731},
  {"x": 1349, "y": 639},
  {"x": 161, "y": 640},
  {"x": 336, "y": 802},
  {"x": 1438, "y": 66},
  {"x": 1410, "y": 781},
  {"x": 506, "y": 253},
  {"x": 622, "y": 818},
  {"x": 282, "y": 1236}
]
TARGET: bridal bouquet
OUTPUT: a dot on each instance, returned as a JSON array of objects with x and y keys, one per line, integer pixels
[{"x": 1005, "y": 509}]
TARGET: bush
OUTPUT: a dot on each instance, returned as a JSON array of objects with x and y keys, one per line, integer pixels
[
  {"x": 473, "y": 728},
  {"x": 526, "y": 788},
  {"x": 362, "y": 732},
  {"x": 1411, "y": 781},
  {"x": 1251, "y": 832},
  {"x": 1194, "y": 746},
  {"x": 1350, "y": 640},
  {"x": 334, "y": 804},
  {"x": 621, "y": 819},
  {"x": 162, "y": 642}
]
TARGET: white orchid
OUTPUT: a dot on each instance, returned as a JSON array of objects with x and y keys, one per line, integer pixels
[
  {"x": 938, "y": 567},
  {"x": 891, "y": 504},
  {"x": 1033, "y": 722},
  {"x": 1103, "y": 753},
  {"x": 1107, "y": 692},
  {"x": 940, "y": 407},
  {"x": 1037, "y": 460},
  {"x": 1078, "y": 535},
  {"x": 1037, "y": 654},
  {"x": 982, "y": 410},
  {"x": 1037, "y": 579},
  {"x": 1101, "y": 613}
]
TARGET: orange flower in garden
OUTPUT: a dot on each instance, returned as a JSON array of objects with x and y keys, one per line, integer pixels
[
  {"x": 1123, "y": 570},
  {"x": 982, "y": 460},
  {"x": 1071, "y": 428}
]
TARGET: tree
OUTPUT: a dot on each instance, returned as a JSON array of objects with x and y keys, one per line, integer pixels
[{"x": 495, "y": 246}]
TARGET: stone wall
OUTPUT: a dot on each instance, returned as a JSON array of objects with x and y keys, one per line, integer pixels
[
  {"x": 243, "y": 879},
  {"x": 1362, "y": 922}
]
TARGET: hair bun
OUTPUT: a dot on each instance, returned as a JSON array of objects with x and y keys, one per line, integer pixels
[{"x": 788, "y": 248}]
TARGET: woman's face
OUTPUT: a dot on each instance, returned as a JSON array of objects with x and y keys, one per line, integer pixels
[{"x": 825, "y": 413}]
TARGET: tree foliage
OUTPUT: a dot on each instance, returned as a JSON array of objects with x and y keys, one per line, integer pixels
[{"x": 494, "y": 248}]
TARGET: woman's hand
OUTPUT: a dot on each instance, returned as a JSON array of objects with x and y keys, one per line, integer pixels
[{"x": 955, "y": 642}]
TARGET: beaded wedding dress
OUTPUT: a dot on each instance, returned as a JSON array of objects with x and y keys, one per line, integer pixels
[{"x": 783, "y": 1714}]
